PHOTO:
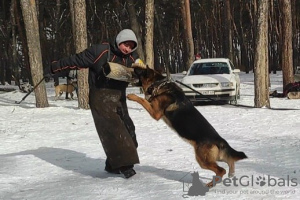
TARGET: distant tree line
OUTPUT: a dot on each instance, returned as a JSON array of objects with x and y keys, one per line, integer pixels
[{"x": 213, "y": 22}]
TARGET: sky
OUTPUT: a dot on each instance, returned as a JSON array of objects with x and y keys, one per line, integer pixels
[{"x": 55, "y": 152}]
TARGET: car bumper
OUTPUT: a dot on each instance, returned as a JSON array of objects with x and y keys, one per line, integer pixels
[{"x": 208, "y": 95}]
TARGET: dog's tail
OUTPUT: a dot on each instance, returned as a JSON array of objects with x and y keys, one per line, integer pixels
[{"x": 236, "y": 155}]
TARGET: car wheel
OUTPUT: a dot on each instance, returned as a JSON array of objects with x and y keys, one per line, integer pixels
[
  {"x": 238, "y": 93},
  {"x": 233, "y": 102},
  {"x": 236, "y": 97}
]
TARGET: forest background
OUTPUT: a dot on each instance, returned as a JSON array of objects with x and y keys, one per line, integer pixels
[{"x": 170, "y": 33}]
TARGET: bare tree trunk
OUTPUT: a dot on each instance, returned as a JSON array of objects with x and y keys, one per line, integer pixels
[
  {"x": 25, "y": 70},
  {"x": 35, "y": 56},
  {"x": 149, "y": 26},
  {"x": 261, "y": 63},
  {"x": 287, "y": 51},
  {"x": 189, "y": 33},
  {"x": 56, "y": 41},
  {"x": 295, "y": 22},
  {"x": 253, "y": 30},
  {"x": 272, "y": 50},
  {"x": 136, "y": 28},
  {"x": 81, "y": 44},
  {"x": 228, "y": 31},
  {"x": 72, "y": 13},
  {"x": 15, "y": 68},
  {"x": 185, "y": 44},
  {"x": 163, "y": 45}
]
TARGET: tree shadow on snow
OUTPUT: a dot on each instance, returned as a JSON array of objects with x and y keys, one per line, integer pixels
[
  {"x": 80, "y": 163},
  {"x": 276, "y": 158},
  {"x": 169, "y": 174},
  {"x": 69, "y": 160}
]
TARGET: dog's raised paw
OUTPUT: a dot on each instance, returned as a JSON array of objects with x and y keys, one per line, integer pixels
[
  {"x": 210, "y": 184},
  {"x": 230, "y": 175},
  {"x": 131, "y": 96}
]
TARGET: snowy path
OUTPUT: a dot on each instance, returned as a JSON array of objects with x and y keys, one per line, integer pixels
[{"x": 55, "y": 153}]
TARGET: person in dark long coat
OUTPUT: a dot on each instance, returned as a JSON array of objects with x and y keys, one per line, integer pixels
[{"x": 107, "y": 98}]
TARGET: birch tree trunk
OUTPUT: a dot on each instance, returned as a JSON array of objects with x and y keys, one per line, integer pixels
[
  {"x": 56, "y": 42},
  {"x": 228, "y": 39},
  {"x": 189, "y": 33},
  {"x": 80, "y": 45},
  {"x": 15, "y": 69},
  {"x": 34, "y": 50},
  {"x": 72, "y": 13},
  {"x": 261, "y": 61},
  {"x": 136, "y": 28},
  {"x": 287, "y": 50},
  {"x": 183, "y": 38},
  {"x": 149, "y": 25}
]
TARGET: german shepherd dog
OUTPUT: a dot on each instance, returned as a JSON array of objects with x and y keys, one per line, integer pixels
[
  {"x": 165, "y": 99},
  {"x": 60, "y": 89}
]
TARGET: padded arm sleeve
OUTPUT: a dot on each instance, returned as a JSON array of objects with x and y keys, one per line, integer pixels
[{"x": 84, "y": 59}]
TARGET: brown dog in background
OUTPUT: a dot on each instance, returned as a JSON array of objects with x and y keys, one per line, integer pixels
[
  {"x": 165, "y": 99},
  {"x": 60, "y": 89}
]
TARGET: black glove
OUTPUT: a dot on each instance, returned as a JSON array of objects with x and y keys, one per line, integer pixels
[
  {"x": 106, "y": 68},
  {"x": 48, "y": 73}
]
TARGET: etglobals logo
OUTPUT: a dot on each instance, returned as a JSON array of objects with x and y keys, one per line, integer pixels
[
  {"x": 266, "y": 184},
  {"x": 261, "y": 181}
]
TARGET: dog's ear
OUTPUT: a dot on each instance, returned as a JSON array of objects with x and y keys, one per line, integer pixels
[{"x": 158, "y": 74}]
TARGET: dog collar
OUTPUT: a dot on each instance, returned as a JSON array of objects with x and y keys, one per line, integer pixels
[{"x": 155, "y": 87}]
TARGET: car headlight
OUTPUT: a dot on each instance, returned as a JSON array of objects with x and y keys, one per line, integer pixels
[{"x": 226, "y": 84}]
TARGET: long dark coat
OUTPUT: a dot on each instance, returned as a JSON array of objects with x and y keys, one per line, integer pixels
[{"x": 107, "y": 99}]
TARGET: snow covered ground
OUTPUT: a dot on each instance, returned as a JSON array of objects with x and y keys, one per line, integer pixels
[{"x": 55, "y": 153}]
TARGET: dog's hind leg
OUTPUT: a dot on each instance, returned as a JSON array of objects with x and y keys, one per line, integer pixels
[
  {"x": 230, "y": 156},
  {"x": 231, "y": 166},
  {"x": 206, "y": 156},
  {"x": 58, "y": 95},
  {"x": 230, "y": 162},
  {"x": 223, "y": 156}
]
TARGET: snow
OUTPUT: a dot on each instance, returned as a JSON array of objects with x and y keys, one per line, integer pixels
[{"x": 55, "y": 152}]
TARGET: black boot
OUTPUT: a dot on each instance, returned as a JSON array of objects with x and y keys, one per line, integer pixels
[
  {"x": 109, "y": 169},
  {"x": 128, "y": 171}
]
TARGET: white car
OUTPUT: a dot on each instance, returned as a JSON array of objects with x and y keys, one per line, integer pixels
[{"x": 213, "y": 78}]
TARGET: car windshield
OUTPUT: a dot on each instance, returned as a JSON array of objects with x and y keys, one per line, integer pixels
[{"x": 209, "y": 68}]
